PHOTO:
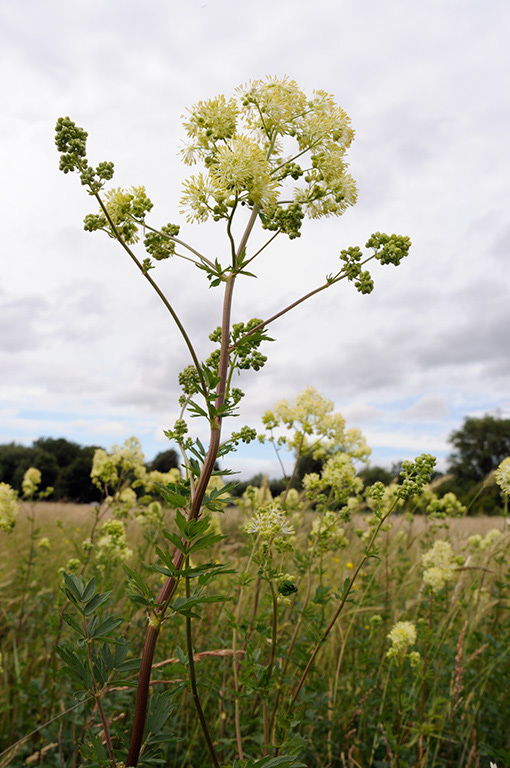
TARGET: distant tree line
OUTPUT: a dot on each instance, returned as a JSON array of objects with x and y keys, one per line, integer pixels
[
  {"x": 64, "y": 465},
  {"x": 479, "y": 446}
]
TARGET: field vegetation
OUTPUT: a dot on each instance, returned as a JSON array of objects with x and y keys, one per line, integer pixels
[{"x": 442, "y": 700}]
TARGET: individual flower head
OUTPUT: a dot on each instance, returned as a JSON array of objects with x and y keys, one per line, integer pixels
[
  {"x": 9, "y": 509},
  {"x": 440, "y": 566},
  {"x": 269, "y": 522},
  {"x": 31, "y": 482},
  {"x": 402, "y": 636},
  {"x": 242, "y": 166},
  {"x": 44, "y": 544},
  {"x": 274, "y": 106},
  {"x": 208, "y": 123},
  {"x": 502, "y": 476},
  {"x": 122, "y": 205}
]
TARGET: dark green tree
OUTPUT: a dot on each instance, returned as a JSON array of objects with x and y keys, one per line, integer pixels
[
  {"x": 74, "y": 483},
  {"x": 165, "y": 461},
  {"x": 479, "y": 446},
  {"x": 12, "y": 456},
  {"x": 64, "y": 451},
  {"x": 44, "y": 461},
  {"x": 371, "y": 475}
]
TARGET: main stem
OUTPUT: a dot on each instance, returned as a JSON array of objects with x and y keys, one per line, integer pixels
[{"x": 170, "y": 585}]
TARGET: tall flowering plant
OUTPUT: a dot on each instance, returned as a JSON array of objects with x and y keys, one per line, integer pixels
[{"x": 268, "y": 157}]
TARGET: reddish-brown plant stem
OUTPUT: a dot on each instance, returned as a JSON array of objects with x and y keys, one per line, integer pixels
[{"x": 170, "y": 584}]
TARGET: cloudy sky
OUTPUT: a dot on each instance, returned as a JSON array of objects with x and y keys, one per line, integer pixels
[{"x": 87, "y": 352}]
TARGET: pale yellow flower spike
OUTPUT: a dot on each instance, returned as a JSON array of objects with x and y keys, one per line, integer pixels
[{"x": 8, "y": 507}]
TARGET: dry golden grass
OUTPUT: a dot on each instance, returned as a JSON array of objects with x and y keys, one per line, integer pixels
[{"x": 77, "y": 519}]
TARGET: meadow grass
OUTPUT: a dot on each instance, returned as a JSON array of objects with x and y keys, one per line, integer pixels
[{"x": 448, "y": 707}]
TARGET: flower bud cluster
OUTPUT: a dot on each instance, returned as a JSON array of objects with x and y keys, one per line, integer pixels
[
  {"x": 188, "y": 380},
  {"x": 383, "y": 499},
  {"x": 352, "y": 259},
  {"x": 247, "y": 341},
  {"x": 161, "y": 245},
  {"x": 244, "y": 435},
  {"x": 389, "y": 249},
  {"x": 71, "y": 141},
  {"x": 416, "y": 475},
  {"x": 446, "y": 506}
]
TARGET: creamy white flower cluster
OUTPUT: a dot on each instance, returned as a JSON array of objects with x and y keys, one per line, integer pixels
[
  {"x": 112, "y": 545},
  {"x": 330, "y": 535},
  {"x": 314, "y": 427},
  {"x": 337, "y": 474},
  {"x": 9, "y": 509},
  {"x": 440, "y": 565},
  {"x": 151, "y": 515},
  {"x": 107, "y": 467},
  {"x": 250, "y": 145},
  {"x": 269, "y": 522},
  {"x": 122, "y": 470},
  {"x": 31, "y": 482},
  {"x": 402, "y": 636},
  {"x": 478, "y": 542},
  {"x": 502, "y": 476}
]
